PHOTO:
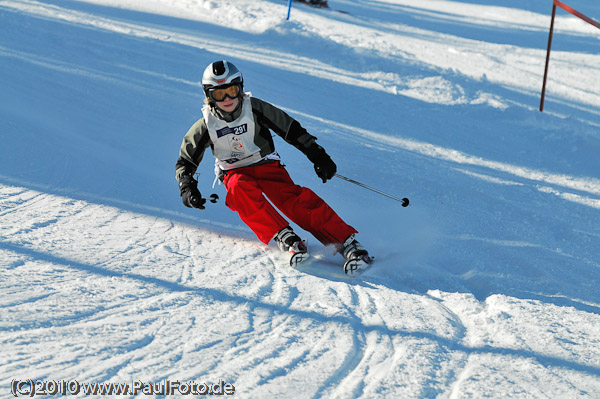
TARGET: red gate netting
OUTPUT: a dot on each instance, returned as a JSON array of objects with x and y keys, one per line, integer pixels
[{"x": 578, "y": 15}]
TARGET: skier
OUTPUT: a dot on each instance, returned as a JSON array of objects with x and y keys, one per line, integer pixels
[
  {"x": 236, "y": 126},
  {"x": 319, "y": 3}
]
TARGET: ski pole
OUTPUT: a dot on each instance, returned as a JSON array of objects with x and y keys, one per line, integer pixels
[{"x": 404, "y": 201}]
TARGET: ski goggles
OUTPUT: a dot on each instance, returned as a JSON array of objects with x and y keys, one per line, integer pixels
[{"x": 220, "y": 93}]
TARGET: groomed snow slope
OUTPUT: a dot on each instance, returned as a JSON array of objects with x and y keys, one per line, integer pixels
[{"x": 486, "y": 286}]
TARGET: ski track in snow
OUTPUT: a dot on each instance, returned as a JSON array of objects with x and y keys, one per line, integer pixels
[
  {"x": 98, "y": 287},
  {"x": 162, "y": 270},
  {"x": 272, "y": 328}
]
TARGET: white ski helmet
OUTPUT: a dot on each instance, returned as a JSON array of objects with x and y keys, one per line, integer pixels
[{"x": 221, "y": 73}]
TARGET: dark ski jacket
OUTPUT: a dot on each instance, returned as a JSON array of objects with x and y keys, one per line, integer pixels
[{"x": 266, "y": 117}]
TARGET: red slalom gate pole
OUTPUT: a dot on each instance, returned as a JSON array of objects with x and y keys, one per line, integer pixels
[
  {"x": 548, "y": 57},
  {"x": 577, "y": 13},
  {"x": 569, "y": 10}
]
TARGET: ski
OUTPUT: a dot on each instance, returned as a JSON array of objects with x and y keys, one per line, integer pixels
[
  {"x": 298, "y": 259},
  {"x": 358, "y": 266},
  {"x": 299, "y": 254}
]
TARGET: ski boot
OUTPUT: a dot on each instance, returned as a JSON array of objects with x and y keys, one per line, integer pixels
[
  {"x": 357, "y": 258},
  {"x": 290, "y": 242}
]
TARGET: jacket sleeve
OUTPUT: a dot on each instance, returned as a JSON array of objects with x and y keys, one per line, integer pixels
[
  {"x": 283, "y": 125},
  {"x": 192, "y": 149}
]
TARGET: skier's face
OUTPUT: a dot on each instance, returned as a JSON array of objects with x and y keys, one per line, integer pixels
[{"x": 228, "y": 104}]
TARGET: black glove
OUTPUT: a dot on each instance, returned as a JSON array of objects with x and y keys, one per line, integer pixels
[
  {"x": 190, "y": 196},
  {"x": 324, "y": 166}
]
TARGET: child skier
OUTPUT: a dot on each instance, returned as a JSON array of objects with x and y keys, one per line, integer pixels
[{"x": 236, "y": 126}]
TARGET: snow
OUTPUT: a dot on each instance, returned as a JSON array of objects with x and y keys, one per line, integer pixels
[{"x": 486, "y": 286}]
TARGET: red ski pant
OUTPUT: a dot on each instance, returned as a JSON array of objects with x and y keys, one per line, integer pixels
[{"x": 246, "y": 191}]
